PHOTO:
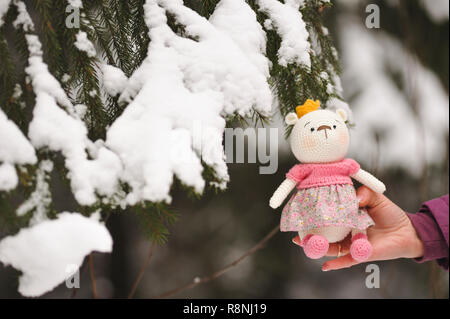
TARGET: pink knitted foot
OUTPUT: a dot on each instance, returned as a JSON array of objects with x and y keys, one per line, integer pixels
[
  {"x": 305, "y": 240},
  {"x": 316, "y": 246},
  {"x": 358, "y": 236},
  {"x": 360, "y": 249}
]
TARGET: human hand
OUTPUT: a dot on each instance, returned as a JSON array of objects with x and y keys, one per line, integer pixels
[
  {"x": 370, "y": 181},
  {"x": 393, "y": 235}
]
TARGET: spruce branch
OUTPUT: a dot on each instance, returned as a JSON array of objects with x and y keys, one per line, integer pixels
[
  {"x": 121, "y": 38},
  {"x": 139, "y": 32},
  {"x": 47, "y": 28}
]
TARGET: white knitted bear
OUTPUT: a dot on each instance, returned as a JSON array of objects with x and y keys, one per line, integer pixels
[{"x": 324, "y": 209}]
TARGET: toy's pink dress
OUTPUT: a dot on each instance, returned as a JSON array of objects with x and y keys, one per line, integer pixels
[{"x": 325, "y": 197}]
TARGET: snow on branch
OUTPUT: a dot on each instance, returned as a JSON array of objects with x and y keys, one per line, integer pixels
[
  {"x": 58, "y": 130},
  {"x": 237, "y": 20},
  {"x": 51, "y": 251},
  {"x": 76, "y": 3},
  {"x": 23, "y": 18},
  {"x": 84, "y": 44},
  {"x": 4, "y": 5},
  {"x": 14, "y": 149},
  {"x": 40, "y": 199},
  {"x": 179, "y": 98},
  {"x": 114, "y": 80},
  {"x": 180, "y": 95},
  {"x": 289, "y": 23},
  {"x": 176, "y": 106}
]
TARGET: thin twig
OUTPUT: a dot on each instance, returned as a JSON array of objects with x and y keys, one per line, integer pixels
[
  {"x": 197, "y": 281},
  {"x": 107, "y": 217},
  {"x": 142, "y": 271},
  {"x": 91, "y": 270}
]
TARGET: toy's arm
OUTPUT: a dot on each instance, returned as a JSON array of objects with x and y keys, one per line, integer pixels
[
  {"x": 282, "y": 191},
  {"x": 369, "y": 180}
]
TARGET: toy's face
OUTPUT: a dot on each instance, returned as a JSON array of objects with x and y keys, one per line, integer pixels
[{"x": 320, "y": 137}]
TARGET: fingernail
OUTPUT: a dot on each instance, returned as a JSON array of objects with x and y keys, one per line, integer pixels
[
  {"x": 359, "y": 198},
  {"x": 325, "y": 268}
]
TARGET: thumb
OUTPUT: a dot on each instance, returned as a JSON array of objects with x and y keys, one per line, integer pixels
[
  {"x": 339, "y": 263},
  {"x": 383, "y": 211},
  {"x": 368, "y": 198}
]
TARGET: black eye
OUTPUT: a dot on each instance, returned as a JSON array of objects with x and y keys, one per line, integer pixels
[
  {"x": 312, "y": 129},
  {"x": 334, "y": 126}
]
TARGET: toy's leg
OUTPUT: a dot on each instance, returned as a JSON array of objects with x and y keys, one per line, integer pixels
[
  {"x": 304, "y": 240},
  {"x": 360, "y": 249},
  {"x": 314, "y": 246}
]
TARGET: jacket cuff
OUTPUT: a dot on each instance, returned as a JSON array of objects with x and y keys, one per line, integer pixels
[{"x": 435, "y": 246}]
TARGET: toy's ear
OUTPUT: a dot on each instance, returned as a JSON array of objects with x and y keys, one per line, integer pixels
[
  {"x": 291, "y": 119},
  {"x": 342, "y": 114}
]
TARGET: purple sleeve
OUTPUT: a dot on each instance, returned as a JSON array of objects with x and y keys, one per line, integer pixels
[{"x": 431, "y": 224}]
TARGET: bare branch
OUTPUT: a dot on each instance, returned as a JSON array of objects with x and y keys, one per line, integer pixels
[
  {"x": 142, "y": 271},
  {"x": 91, "y": 269},
  {"x": 197, "y": 281}
]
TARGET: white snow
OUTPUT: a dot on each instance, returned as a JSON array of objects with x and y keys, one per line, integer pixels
[
  {"x": 40, "y": 199},
  {"x": 4, "y": 5},
  {"x": 17, "y": 91},
  {"x": 45, "y": 252},
  {"x": 288, "y": 21},
  {"x": 180, "y": 94},
  {"x": 438, "y": 10},
  {"x": 99, "y": 176},
  {"x": 54, "y": 128},
  {"x": 268, "y": 24},
  {"x": 406, "y": 140},
  {"x": 80, "y": 110},
  {"x": 41, "y": 79},
  {"x": 84, "y": 44},
  {"x": 236, "y": 19},
  {"x": 65, "y": 78},
  {"x": 178, "y": 100},
  {"x": 58, "y": 130},
  {"x": 23, "y": 18},
  {"x": 14, "y": 149},
  {"x": 114, "y": 80},
  {"x": 76, "y": 3},
  {"x": 8, "y": 177}
]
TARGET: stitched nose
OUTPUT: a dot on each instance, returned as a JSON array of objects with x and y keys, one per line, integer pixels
[{"x": 324, "y": 127}]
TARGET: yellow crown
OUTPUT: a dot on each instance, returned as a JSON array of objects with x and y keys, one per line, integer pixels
[{"x": 309, "y": 106}]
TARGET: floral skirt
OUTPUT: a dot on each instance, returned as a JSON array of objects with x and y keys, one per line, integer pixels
[{"x": 316, "y": 207}]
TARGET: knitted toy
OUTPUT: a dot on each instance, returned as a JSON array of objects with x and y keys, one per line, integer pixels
[{"x": 324, "y": 208}]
